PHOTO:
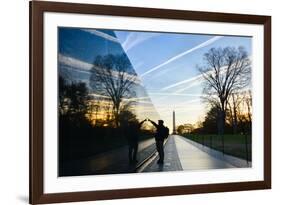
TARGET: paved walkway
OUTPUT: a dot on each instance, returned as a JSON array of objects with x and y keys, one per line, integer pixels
[
  {"x": 235, "y": 161},
  {"x": 193, "y": 158},
  {"x": 172, "y": 162},
  {"x": 180, "y": 154}
]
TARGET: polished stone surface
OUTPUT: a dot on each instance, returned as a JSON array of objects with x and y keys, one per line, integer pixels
[{"x": 111, "y": 162}]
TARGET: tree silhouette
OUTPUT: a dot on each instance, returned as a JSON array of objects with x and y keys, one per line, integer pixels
[
  {"x": 248, "y": 100},
  {"x": 127, "y": 116},
  {"x": 73, "y": 101},
  {"x": 211, "y": 123},
  {"x": 112, "y": 76},
  {"x": 62, "y": 95},
  {"x": 234, "y": 110},
  {"x": 226, "y": 71}
]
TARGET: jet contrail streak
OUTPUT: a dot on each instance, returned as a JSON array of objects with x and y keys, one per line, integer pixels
[
  {"x": 102, "y": 34},
  {"x": 202, "y": 45}
]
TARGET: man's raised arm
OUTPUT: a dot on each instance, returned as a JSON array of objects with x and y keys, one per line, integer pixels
[
  {"x": 154, "y": 123},
  {"x": 140, "y": 124}
]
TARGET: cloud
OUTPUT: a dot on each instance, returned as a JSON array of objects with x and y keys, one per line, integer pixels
[
  {"x": 173, "y": 94},
  {"x": 101, "y": 34},
  {"x": 189, "y": 80},
  {"x": 137, "y": 99},
  {"x": 191, "y": 85},
  {"x": 194, "y": 81},
  {"x": 74, "y": 63},
  {"x": 87, "y": 67},
  {"x": 99, "y": 96},
  {"x": 202, "y": 45},
  {"x": 135, "y": 38},
  {"x": 184, "y": 103}
]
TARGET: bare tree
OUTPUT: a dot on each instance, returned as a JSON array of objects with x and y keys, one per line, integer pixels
[
  {"x": 94, "y": 108},
  {"x": 248, "y": 101},
  {"x": 234, "y": 109},
  {"x": 113, "y": 77},
  {"x": 246, "y": 116},
  {"x": 226, "y": 70}
]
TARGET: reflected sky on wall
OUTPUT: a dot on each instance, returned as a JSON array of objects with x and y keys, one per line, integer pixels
[{"x": 166, "y": 64}]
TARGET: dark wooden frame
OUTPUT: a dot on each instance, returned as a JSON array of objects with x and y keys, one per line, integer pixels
[{"x": 37, "y": 9}]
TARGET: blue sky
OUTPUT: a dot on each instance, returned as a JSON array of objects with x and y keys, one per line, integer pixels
[{"x": 166, "y": 64}]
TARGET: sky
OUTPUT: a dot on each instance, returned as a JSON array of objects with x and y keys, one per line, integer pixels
[{"x": 166, "y": 64}]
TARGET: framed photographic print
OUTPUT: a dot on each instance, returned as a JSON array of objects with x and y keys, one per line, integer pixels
[{"x": 139, "y": 102}]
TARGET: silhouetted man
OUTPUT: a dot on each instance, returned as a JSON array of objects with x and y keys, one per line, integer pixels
[
  {"x": 161, "y": 133},
  {"x": 132, "y": 132}
]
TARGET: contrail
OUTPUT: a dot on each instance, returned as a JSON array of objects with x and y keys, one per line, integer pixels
[
  {"x": 202, "y": 45},
  {"x": 173, "y": 94},
  {"x": 134, "y": 38},
  {"x": 195, "y": 78},
  {"x": 193, "y": 84},
  {"x": 87, "y": 67},
  {"x": 101, "y": 34}
]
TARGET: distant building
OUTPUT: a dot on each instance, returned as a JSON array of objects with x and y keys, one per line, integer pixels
[{"x": 185, "y": 129}]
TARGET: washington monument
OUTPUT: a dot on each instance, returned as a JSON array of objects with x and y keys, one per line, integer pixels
[{"x": 174, "y": 122}]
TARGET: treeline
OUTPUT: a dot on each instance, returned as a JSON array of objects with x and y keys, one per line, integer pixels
[{"x": 238, "y": 118}]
